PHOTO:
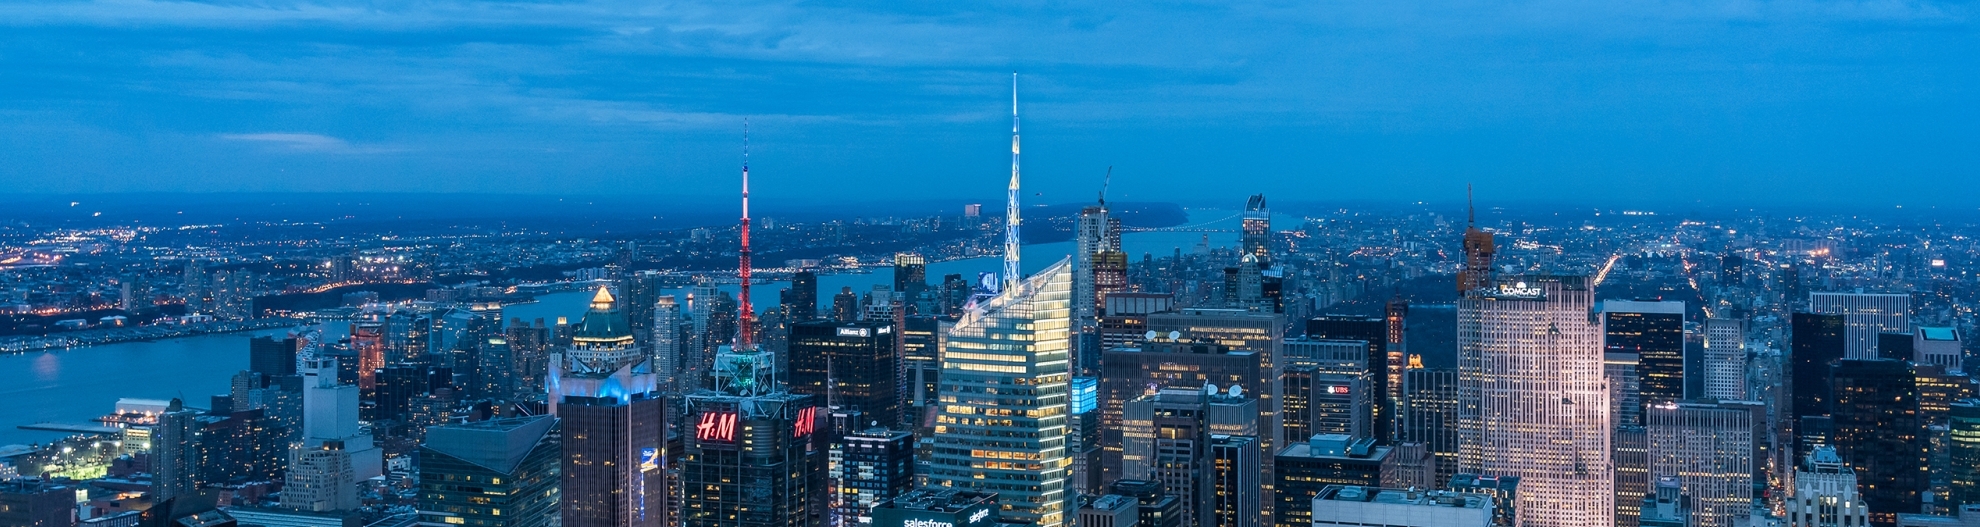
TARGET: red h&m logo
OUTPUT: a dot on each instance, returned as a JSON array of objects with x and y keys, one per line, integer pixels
[
  {"x": 716, "y": 426},
  {"x": 805, "y": 422}
]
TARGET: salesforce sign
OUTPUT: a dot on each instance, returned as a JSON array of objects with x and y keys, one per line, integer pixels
[{"x": 938, "y": 508}]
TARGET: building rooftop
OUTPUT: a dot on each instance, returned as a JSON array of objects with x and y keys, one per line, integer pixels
[
  {"x": 1112, "y": 502},
  {"x": 1435, "y": 498},
  {"x": 942, "y": 500}
]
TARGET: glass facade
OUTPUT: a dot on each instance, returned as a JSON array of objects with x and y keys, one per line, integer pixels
[{"x": 1004, "y": 402}]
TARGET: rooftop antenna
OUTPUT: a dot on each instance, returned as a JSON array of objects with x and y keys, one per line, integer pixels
[
  {"x": 746, "y": 320},
  {"x": 1011, "y": 209}
]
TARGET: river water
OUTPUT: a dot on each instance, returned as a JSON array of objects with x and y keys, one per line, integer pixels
[{"x": 76, "y": 385}]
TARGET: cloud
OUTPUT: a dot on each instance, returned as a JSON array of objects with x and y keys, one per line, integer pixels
[{"x": 310, "y": 143}]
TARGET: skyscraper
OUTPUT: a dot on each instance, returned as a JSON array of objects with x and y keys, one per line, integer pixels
[
  {"x": 1257, "y": 225},
  {"x": 272, "y": 358},
  {"x": 855, "y": 363},
  {"x": 1166, "y": 363},
  {"x": 1305, "y": 468},
  {"x": 1009, "y": 357},
  {"x": 1654, "y": 331},
  {"x": 802, "y": 302},
  {"x": 868, "y": 468},
  {"x": 1233, "y": 481},
  {"x": 330, "y": 414},
  {"x": 1168, "y": 435},
  {"x": 1964, "y": 459},
  {"x": 1373, "y": 332},
  {"x": 1725, "y": 361},
  {"x": 1816, "y": 343},
  {"x": 1825, "y": 492},
  {"x": 749, "y": 460},
  {"x": 321, "y": 478},
  {"x": 1865, "y": 315},
  {"x": 1710, "y": 449},
  {"x": 1879, "y": 432},
  {"x": 910, "y": 275},
  {"x": 1430, "y": 416},
  {"x": 604, "y": 390},
  {"x": 175, "y": 452},
  {"x": 498, "y": 473},
  {"x": 1533, "y": 401},
  {"x": 845, "y": 305},
  {"x": 667, "y": 342}
]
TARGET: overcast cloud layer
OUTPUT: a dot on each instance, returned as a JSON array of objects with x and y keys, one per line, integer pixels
[{"x": 1614, "y": 100}]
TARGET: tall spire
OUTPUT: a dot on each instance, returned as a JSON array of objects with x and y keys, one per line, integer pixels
[
  {"x": 1011, "y": 222},
  {"x": 746, "y": 320},
  {"x": 1470, "y": 211}
]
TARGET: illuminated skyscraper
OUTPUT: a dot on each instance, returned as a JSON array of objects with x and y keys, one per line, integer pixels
[
  {"x": 1879, "y": 432},
  {"x": 853, "y": 362},
  {"x": 1709, "y": 448},
  {"x": 1725, "y": 362},
  {"x": 910, "y": 275},
  {"x": 1373, "y": 333},
  {"x": 801, "y": 303},
  {"x": 1825, "y": 493},
  {"x": 1168, "y": 438},
  {"x": 497, "y": 473},
  {"x": 1166, "y": 363},
  {"x": 614, "y": 423},
  {"x": 1533, "y": 400},
  {"x": 667, "y": 342},
  {"x": 1430, "y": 416},
  {"x": 1654, "y": 332},
  {"x": 1002, "y": 425},
  {"x": 1865, "y": 315},
  {"x": 1817, "y": 344},
  {"x": 1964, "y": 458},
  {"x": 1257, "y": 239},
  {"x": 749, "y": 459}
]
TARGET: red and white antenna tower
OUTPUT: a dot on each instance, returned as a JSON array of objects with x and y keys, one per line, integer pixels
[{"x": 746, "y": 320}]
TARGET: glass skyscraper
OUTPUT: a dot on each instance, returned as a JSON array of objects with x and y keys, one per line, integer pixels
[{"x": 1002, "y": 424}]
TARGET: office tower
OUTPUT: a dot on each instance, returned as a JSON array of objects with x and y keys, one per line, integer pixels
[
  {"x": 1396, "y": 318},
  {"x": 1478, "y": 250},
  {"x": 1825, "y": 492},
  {"x": 1430, "y": 416},
  {"x": 1110, "y": 510},
  {"x": 1303, "y": 469},
  {"x": 1162, "y": 363},
  {"x": 1864, "y": 316},
  {"x": 35, "y": 502},
  {"x": 321, "y": 478},
  {"x": 497, "y": 369},
  {"x": 1938, "y": 345},
  {"x": 1090, "y": 237},
  {"x": 1709, "y": 448},
  {"x": 175, "y": 452},
  {"x": 936, "y": 507},
  {"x": 272, "y": 358},
  {"x": 640, "y": 291},
  {"x": 1325, "y": 403},
  {"x": 330, "y": 413},
  {"x": 1731, "y": 269},
  {"x": 1625, "y": 393},
  {"x": 1878, "y": 432},
  {"x": 1964, "y": 457},
  {"x": 501, "y": 472},
  {"x": 1938, "y": 389},
  {"x": 667, "y": 343},
  {"x": 1157, "y": 508},
  {"x": 1124, "y": 318},
  {"x": 604, "y": 391},
  {"x": 1816, "y": 343},
  {"x": 1088, "y": 454},
  {"x": 1356, "y": 506},
  {"x": 855, "y": 363},
  {"x": 1504, "y": 491},
  {"x": 1231, "y": 499},
  {"x": 398, "y": 385},
  {"x": 910, "y": 275},
  {"x": 1533, "y": 401},
  {"x": 1654, "y": 331},
  {"x": 1167, "y": 438},
  {"x": 845, "y": 305},
  {"x": 868, "y": 468},
  {"x": 802, "y": 302},
  {"x": 1412, "y": 466},
  {"x": 1725, "y": 361},
  {"x": 955, "y": 293},
  {"x": 368, "y": 340},
  {"x": 238, "y": 446},
  {"x": 1009, "y": 357},
  {"x": 1896, "y": 346},
  {"x": 1373, "y": 332},
  {"x": 921, "y": 343},
  {"x": 748, "y": 459},
  {"x": 1257, "y": 226},
  {"x": 1631, "y": 455},
  {"x": 1667, "y": 506}
]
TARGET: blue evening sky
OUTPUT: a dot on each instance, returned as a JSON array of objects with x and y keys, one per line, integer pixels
[{"x": 1737, "y": 101}]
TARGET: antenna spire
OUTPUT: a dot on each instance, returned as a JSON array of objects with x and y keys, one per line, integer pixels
[
  {"x": 1109, "y": 180},
  {"x": 1011, "y": 221},
  {"x": 1470, "y": 211},
  {"x": 746, "y": 319}
]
